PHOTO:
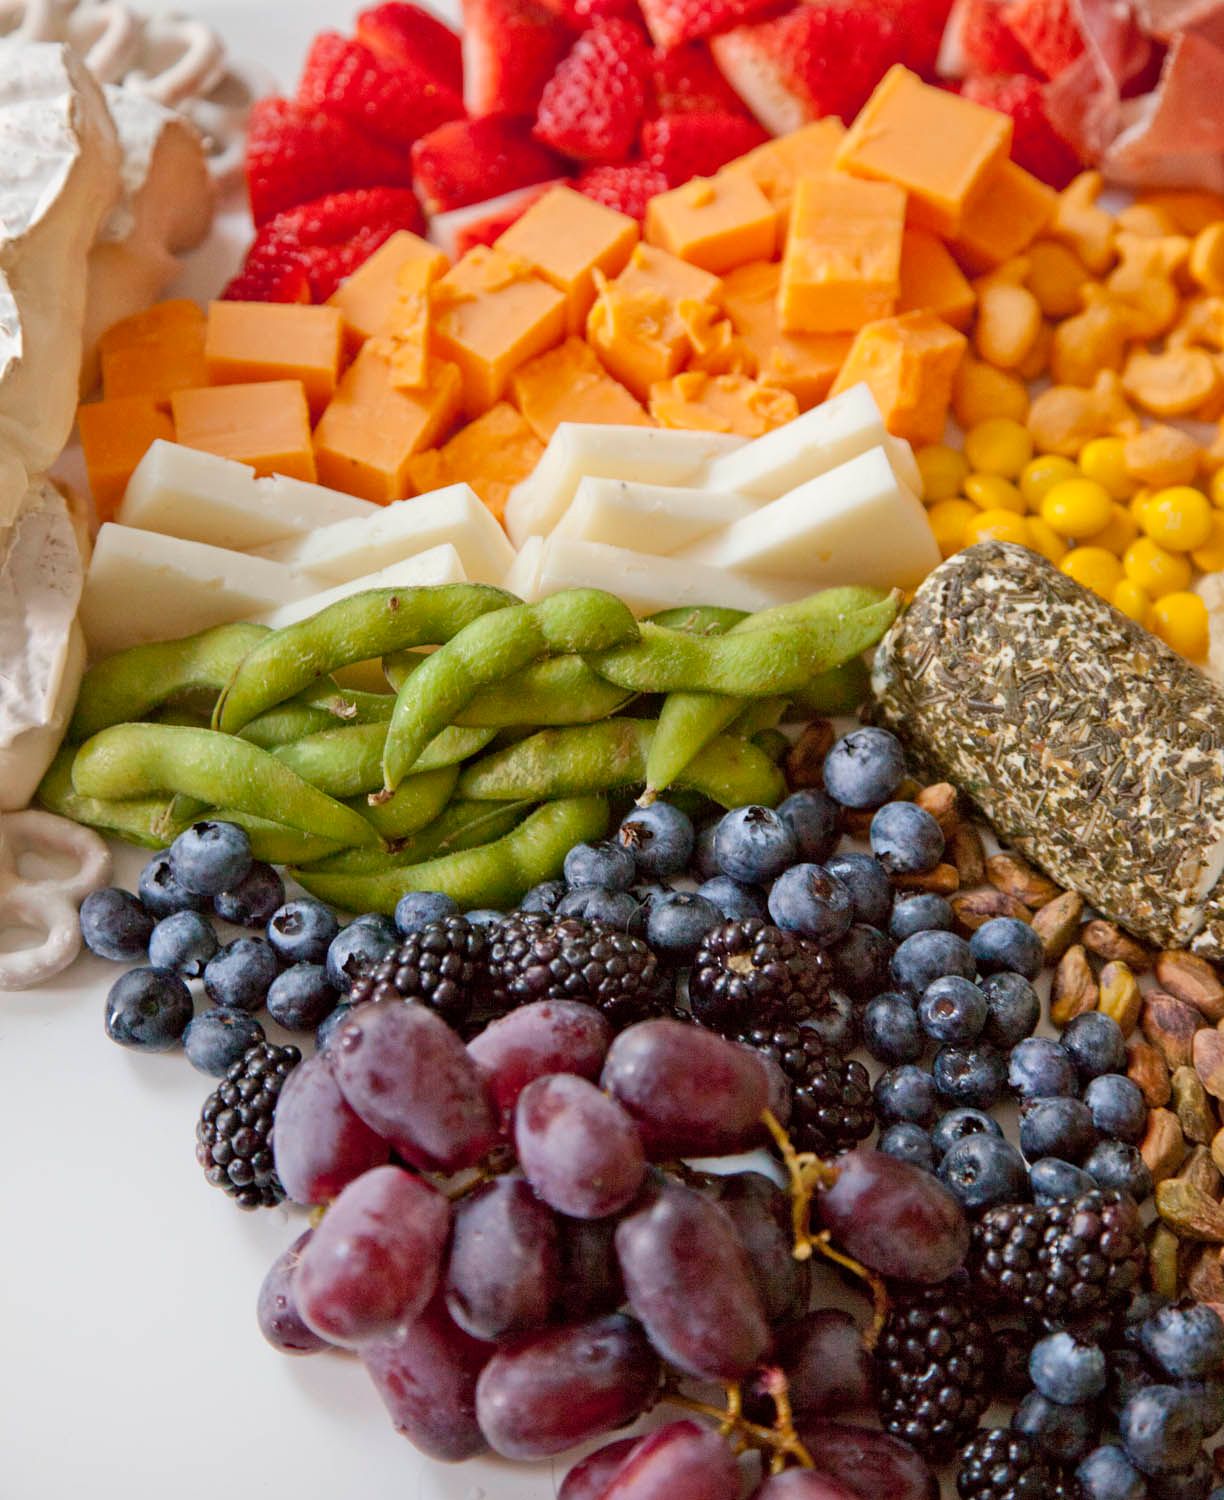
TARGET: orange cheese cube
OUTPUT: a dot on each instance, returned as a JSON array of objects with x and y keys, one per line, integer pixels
[
  {"x": 635, "y": 327},
  {"x": 491, "y": 313},
  {"x": 154, "y": 352},
  {"x": 716, "y": 347},
  {"x": 367, "y": 297},
  {"x": 568, "y": 384},
  {"x": 1004, "y": 219},
  {"x": 254, "y": 342},
  {"x": 931, "y": 279},
  {"x": 153, "y": 325},
  {"x": 266, "y": 425},
  {"x": 714, "y": 222},
  {"x": 115, "y": 435},
  {"x": 805, "y": 364},
  {"x": 776, "y": 166},
  {"x": 566, "y": 238},
  {"x": 908, "y": 363},
  {"x": 937, "y": 146},
  {"x": 720, "y": 403},
  {"x": 842, "y": 266},
  {"x": 492, "y": 454},
  {"x": 408, "y": 327},
  {"x": 370, "y": 429}
]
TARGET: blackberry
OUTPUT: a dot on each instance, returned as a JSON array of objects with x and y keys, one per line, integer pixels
[
  {"x": 998, "y": 1464},
  {"x": 443, "y": 965},
  {"x": 535, "y": 956},
  {"x": 750, "y": 971},
  {"x": 832, "y": 1106},
  {"x": 931, "y": 1366},
  {"x": 234, "y": 1133}
]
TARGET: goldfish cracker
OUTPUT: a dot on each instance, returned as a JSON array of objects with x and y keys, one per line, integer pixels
[
  {"x": 1046, "y": 540},
  {"x": 948, "y": 520},
  {"x": 999, "y": 445},
  {"x": 1056, "y": 277},
  {"x": 1201, "y": 322},
  {"x": 1077, "y": 508},
  {"x": 997, "y": 526},
  {"x": 1095, "y": 567},
  {"x": 1092, "y": 340},
  {"x": 1210, "y": 458},
  {"x": 1180, "y": 620},
  {"x": 1037, "y": 361},
  {"x": 1143, "y": 279},
  {"x": 1207, "y": 257},
  {"x": 1084, "y": 226},
  {"x": 1132, "y": 601},
  {"x": 1147, "y": 219},
  {"x": 1215, "y": 488},
  {"x": 1212, "y": 409},
  {"x": 1188, "y": 209},
  {"x": 1104, "y": 459},
  {"x": 1041, "y": 474},
  {"x": 993, "y": 492},
  {"x": 943, "y": 470},
  {"x": 1008, "y": 319},
  {"x": 1065, "y": 417},
  {"x": 1172, "y": 383},
  {"x": 1209, "y": 558},
  {"x": 980, "y": 391},
  {"x": 1155, "y": 569},
  {"x": 1179, "y": 518},
  {"x": 1161, "y": 456},
  {"x": 1119, "y": 533}
]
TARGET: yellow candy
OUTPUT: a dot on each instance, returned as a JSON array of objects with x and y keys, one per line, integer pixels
[
  {"x": 1045, "y": 541},
  {"x": 1119, "y": 534},
  {"x": 997, "y": 526},
  {"x": 948, "y": 520},
  {"x": 1042, "y": 473},
  {"x": 999, "y": 445},
  {"x": 992, "y": 492},
  {"x": 1104, "y": 459},
  {"x": 1178, "y": 518},
  {"x": 1077, "y": 508},
  {"x": 1095, "y": 568},
  {"x": 1132, "y": 601},
  {"x": 1209, "y": 558},
  {"x": 942, "y": 469},
  {"x": 1156, "y": 571},
  {"x": 1180, "y": 620}
]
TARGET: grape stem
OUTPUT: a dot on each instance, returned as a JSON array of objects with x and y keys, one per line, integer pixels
[{"x": 780, "y": 1441}]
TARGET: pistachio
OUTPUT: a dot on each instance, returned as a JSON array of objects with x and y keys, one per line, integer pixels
[
  {"x": 1192, "y": 1107},
  {"x": 1209, "y": 1060},
  {"x": 1057, "y": 924},
  {"x": 1190, "y": 1212},
  {"x": 804, "y": 764},
  {"x": 976, "y": 907},
  {"x": 1170, "y": 1025},
  {"x": 1199, "y": 1169},
  {"x": 943, "y": 880},
  {"x": 1121, "y": 998},
  {"x": 1016, "y": 877},
  {"x": 1193, "y": 980},
  {"x": 1205, "y": 1277},
  {"x": 967, "y": 852},
  {"x": 1074, "y": 987},
  {"x": 1146, "y": 1067},
  {"x": 1109, "y": 941},
  {"x": 941, "y": 801},
  {"x": 1217, "y": 1149},
  {"x": 1163, "y": 1146},
  {"x": 1164, "y": 1254}
]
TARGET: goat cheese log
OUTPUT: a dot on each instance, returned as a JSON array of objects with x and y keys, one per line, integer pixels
[{"x": 1090, "y": 747}]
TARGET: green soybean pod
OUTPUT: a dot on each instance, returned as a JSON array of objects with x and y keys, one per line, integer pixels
[
  {"x": 496, "y": 874},
  {"x": 349, "y": 705},
  {"x": 417, "y": 801},
  {"x": 356, "y": 629},
  {"x": 490, "y": 649},
  {"x": 557, "y": 690},
  {"x": 347, "y": 762},
  {"x": 838, "y": 691},
  {"x": 140, "y": 821},
  {"x": 699, "y": 619},
  {"x": 275, "y": 843},
  {"x": 286, "y": 723},
  {"x": 137, "y": 760},
  {"x": 758, "y": 716},
  {"x": 462, "y": 825}
]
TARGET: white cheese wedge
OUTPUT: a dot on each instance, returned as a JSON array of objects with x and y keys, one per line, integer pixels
[
  {"x": 146, "y": 587},
  {"x": 520, "y": 578},
  {"x": 352, "y": 549},
  {"x": 655, "y": 518},
  {"x": 580, "y": 450},
  {"x": 438, "y": 565},
  {"x": 856, "y": 524},
  {"x": 819, "y": 440},
  {"x": 200, "y": 497}
]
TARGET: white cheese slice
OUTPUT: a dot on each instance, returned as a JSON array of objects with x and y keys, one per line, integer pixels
[
  {"x": 520, "y": 578},
  {"x": 578, "y": 450},
  {"x": 187, "y": 493},
  {"x": 856, "y": 524},
  {"x": 819, "y": 440},
  {"x": 655, "y": 518},
  {"x": 438, "y": 565},
  {"x": 352, "y": 549}
]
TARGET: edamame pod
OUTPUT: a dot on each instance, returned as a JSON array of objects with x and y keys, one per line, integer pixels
[
  {"x": 347, "y": 762},
  {"x": 839, "y": 691},
  {"x": 139, "y": 821},
  {"x": 416, "y": 802},
  {"x": 497, "y": 874},
  {"x": 760, "y": 715},
  {"x": 462, "y": 825},
  {"x": 363, "y": 626},
  {"x": 314, "y": 712},
  {"x": 136, "y": 760},
  {"x": 490, "y": 649},
  {"x": 699, "y": 619}
]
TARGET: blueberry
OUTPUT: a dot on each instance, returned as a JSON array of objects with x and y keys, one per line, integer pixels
[
  {"x": 952, "y": 1009},
  {"x": 356, "y": 947},
  {"x": 1013, "y": 1009},
  {"x": 1007, "y": 945},
  {"x": 809, "y": 900},
  {"x": 890, "y": 1029},
  {"x": 1056, "y": 1181},
  {"x": 1095, "y": 1044},
  {"x": 677, "y": 922},
  {"x": 240, "y": 974},
  {"x": 906, "y": 839},
  {"x": 1067, "y": 1370},
  {"x": 754, "y": 845},
  {"x": 1193, "y": 1483},
  {"x": 160, "y": 891},
  {"x": 660, "y": 838},
  {"x": 982, "y": 1171},
  {"x": 1186, "y": 1339},
  {"x": 114, "y": 925},
  {"x": 1161, "y": 1429},
  {"x": 211, "y": 857},
  {"x": 302, "y": 931},
  {"x": 924, "y": 912},
  {"x": 148, "y": 1009},
  {"x": 606, "y": 864},
  {"x": 1118, "y": 1164},
  {"x": 1129, "y": 1372},
  {"x": 705, "y": 866},
  {"x": 1064, "y": 1433},
  {"x": 183, "y": 942},
  {"x": 958, "y": 1125},
  {"x": 485, "y": 916},
  {"x": 906, "y": 1094},
  {"x": 908, "y": 1142},
  {"x": 595, "y": 903},
  {"x": 300, "y": 999},
  {"x": 864, "y": 768},
  {"x": 1107, "y": 1474},
  {"x": 329, "y": 1025},
  {"x": 1056, "y": 1127},
  {"x": 974, "y": 1076},
  {"x": 860, "y": 961},
  {"x": 217, "y": 1038},
  {"x": 814, "y": 822},
  {"x": 868, "y": 884},
  {"x": 544, "y": 897},
  {"x": 834, "y": 1021},
  {"x": 1118, "y": 1107},
  {"x": 928, "y": 956},
  {"x": 252, "y": 902},
  {"x": 413, "y": 910},
  {"x": 1040, "y": 1069},
  {"x": 736, "y": 902}
]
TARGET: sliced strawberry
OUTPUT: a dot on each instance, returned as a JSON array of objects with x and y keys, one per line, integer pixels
[
  {"x": 1048, "y": 31},
  {"x": 580, "y": 14},
  {"x": 390, "y": 101},
  {"x": 483, "y": 229},
  {"x": 684, "y": 81},
  {"x": 820, "y": 59},
  {"x": 467, "y": 161},
  {"x": 628, "y": 188},
  {"x": 335, "y": 235},
  {"x": 920, "y": 25},
  {"x": 511, "y": 49},
  {"x": 415, "y": 39},
  {"x": 684, "y": 146},
  {"x": 1036, "y": 145},
  {"x": 671, "y": 22},
  {"x": 985, "y": 44},
  {"x": 271, "y": 273},
  {"x": 592, "y": 106}
]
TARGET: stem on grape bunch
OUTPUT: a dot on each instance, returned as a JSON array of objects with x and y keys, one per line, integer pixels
[{"x": 780, "y": 1441}]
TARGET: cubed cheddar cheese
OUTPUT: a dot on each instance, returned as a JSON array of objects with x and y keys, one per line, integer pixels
[
  {"x": 842, "y": 266},
  {"x": 265, "y": 425},
  {"x": 491, "y": 314},
  {"x": 491, "y": 455},
  {"x": 407, "y": 335},
  {"x": 370, "y": 429},
  {"x": 115, "y": 435},
  {"x": 696, "y": 402},
  {"x": 154, "y": 353},
  {"x": 776, "y": 166},
  {"x": 908, "y": 363},
  {"x": 566, "y": 238},
  {"x": 931, "y": 280},
  {"x": 713, "y": 222},
  {"x": 937, "y": 146},
  {"x": 805, "y": 364},
  {"x": 568, "y": 384},
  {"x": 366, "y": 298},
  {"x": 257, "y": 342},
  {"x": 1004, "y": 219}
]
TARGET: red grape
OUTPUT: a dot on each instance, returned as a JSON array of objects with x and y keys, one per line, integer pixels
[
  {"x": 319, "y": 1144},
  {"x": 504, "y": 1273},
  {"x": 761, "y": 1213},
  {"x": 826, "y": 1366},
  {"x": 589, "y": 1479},
  {"x": 869, "y": 1463},
  {"x": 894, "y": 1218},
  {"x": 374, "y": 1261},
  {"x": 277, "y": 1311},
  {"x": 550, "y": 1036},
  {"x": 678, "y": 1462},
  {"x": 578, "y": 1148},
  {"x": 692, "y": 1092},
  {"x": 802, "y": 1484},
  {"x": 562, "y": 1386},
  {"x": 688, "y": 1279},
  {"x": 426, "y": 1375},
  {"x": 410, "y": 1078},
  {"x": 590, "y": 1275}
]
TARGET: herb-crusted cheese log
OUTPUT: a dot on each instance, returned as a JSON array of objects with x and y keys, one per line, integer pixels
[{"x": 1089, "y": 745}]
